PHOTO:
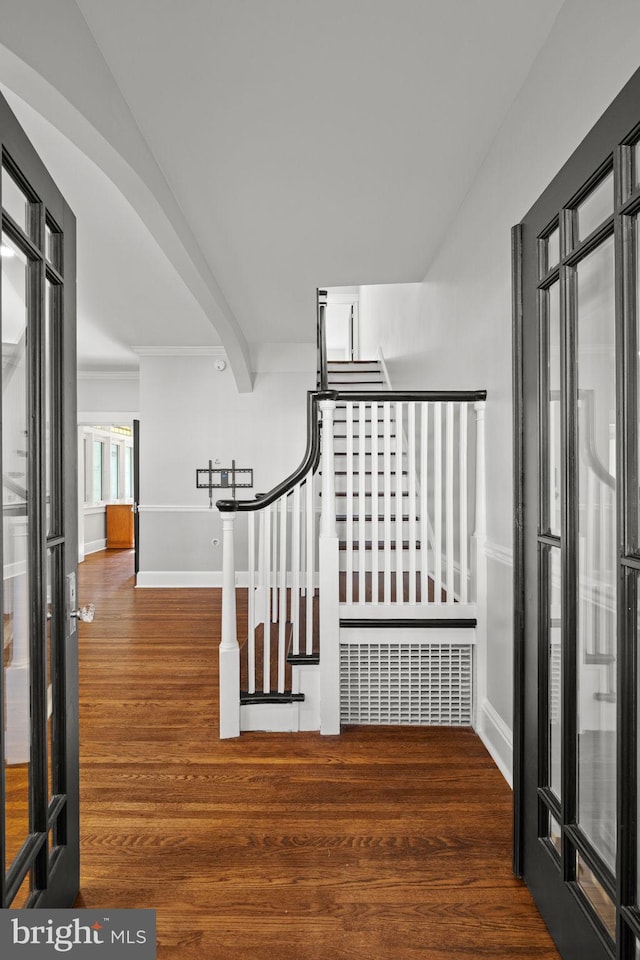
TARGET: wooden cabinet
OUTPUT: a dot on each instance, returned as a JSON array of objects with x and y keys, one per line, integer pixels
[{"x": 119, "y": 526}]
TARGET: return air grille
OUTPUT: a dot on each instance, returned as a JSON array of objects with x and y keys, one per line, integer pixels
[{"x": 427, "y": 684}]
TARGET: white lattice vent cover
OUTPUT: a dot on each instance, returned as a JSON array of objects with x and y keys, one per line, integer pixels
[{"x": 427, "y": 684}]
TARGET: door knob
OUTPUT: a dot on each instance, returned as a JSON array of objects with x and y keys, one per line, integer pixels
[{"x": 86, "y": 613}]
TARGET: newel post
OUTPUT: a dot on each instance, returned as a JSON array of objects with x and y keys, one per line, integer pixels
[
  {"x": 329, "y": 570},
  {"x": 229, "y": 649},
  {"x": 480, "y": 542}
]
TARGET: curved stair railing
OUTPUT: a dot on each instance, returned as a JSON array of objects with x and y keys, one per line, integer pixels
[{"x": 281, "y": 583}]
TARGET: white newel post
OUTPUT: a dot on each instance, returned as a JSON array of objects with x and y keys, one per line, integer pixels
[
  {"x": 480, "y": 557},
  {"x": 329, "y": 569},
  {"x": 229, "y": 649}
]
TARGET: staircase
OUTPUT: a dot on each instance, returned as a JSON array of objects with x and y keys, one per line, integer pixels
[{"x": 360, "y": 604}]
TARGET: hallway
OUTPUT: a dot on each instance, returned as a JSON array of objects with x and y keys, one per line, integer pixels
[{"x": 382, "y": 843}]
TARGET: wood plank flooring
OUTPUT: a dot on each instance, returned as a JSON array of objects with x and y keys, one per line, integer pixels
[{"x": 382, "y": 843}]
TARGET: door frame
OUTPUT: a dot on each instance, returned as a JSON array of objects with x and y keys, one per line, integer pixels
[
  {"x": 56, "y": 870},
  {"x": 618, "y": 127}
]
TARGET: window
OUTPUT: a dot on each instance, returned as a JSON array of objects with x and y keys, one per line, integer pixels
[
  {"x": 98, "y": 462},
  {"x": 114, "y": 492}
]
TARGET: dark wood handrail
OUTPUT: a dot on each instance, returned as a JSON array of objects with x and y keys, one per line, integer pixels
[
  {"x": 308, "y": 465},
  {"x": 312, "y": 453},
  {"x": 425, "y": 396}
]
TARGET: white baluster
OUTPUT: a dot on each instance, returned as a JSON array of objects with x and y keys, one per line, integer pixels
[
  {"x": 411, "y": 467},
  {"x": 329, "y": 583},
  {"x": 424, "y": 503},
  {"x": 481, "y": 490},
  {"x": 310, "y": 519},
  {"x": 362, "y": 499},
  {"x": 349, "y": 499},
  {"x": 375, "y": 505},
  {"x": 282, "y": 613},
  {"x": 251, "y": 639},
  {"x": 274, "y": 562},
  {"x": 386, "y": 449},
  {"x": 399, "y": 506},
  {"x": 229, "y": 651},
  {"x": 295, "y": 569},
  {"x": 462, "y": 436},
  {"x": 450, "y": 551},
  {"x": 437, "y": 508},
  {"x": 266, "y": 626}
]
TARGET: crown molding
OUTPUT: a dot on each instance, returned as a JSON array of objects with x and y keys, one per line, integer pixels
[{"x": 181, "y": 351}]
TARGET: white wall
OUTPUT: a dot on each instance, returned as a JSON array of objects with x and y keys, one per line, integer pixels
[
  {"x": 105, "y": 398},
  {"x": 191, "y": 413},
  {"x": 455, "y": 330}
]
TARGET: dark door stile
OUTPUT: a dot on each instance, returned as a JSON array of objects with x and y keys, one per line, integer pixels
[
  {"x": 40, "y": 863},
  {"x": 608, "y": 924}
]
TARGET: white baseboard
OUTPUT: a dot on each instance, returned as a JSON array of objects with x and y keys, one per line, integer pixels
[
  {"x": 195, "y": 578},
  {"x": 179, "y": 578},
  {"x": 93, "y": 546},
  {"x": 498, "y": 739}
]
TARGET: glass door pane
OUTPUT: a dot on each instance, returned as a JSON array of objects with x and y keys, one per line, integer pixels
[
  {"x": 596, "y": 554},
  {"x": 554, "y": 693},
  {"x": 16, "y": 586}
]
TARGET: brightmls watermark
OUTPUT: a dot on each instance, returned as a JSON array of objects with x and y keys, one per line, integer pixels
[{"x": 78, "y": 934}]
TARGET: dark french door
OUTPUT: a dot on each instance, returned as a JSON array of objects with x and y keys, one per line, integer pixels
[{"x": 38, "y": 460}]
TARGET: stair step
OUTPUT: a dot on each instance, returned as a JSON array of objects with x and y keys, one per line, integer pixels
[
  {"x": 366, "y": 372},
  {"x": 302, "y": 659},
  {"x": 353, "y": 363},
  {"x": 358, "y": 386},
  {"x": 368, "y": 545},
  {"x": 272, "y": 697}
]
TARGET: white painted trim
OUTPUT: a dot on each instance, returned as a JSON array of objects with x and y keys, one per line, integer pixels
[
  {"x": 407, "y": 611},
  {"x": 404, "y": 636},
  {"x": 95, "y": 510},
  {"x": 384, "y": 368},
  {"x": 498, "y": 739},
  {"x": 108, "y": 374},
  {"x": 495, "y": 551},
  {"x": 333, "y": 297},
  {"x": 94, "y": 546},
  {"x": 196, "y": 578},
  {"x": 182, "y": 351},
  {"x": 180, "y": 578}
]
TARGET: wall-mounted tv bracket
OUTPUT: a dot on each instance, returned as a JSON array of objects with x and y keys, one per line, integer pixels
[{"x": 222, "y": 478}]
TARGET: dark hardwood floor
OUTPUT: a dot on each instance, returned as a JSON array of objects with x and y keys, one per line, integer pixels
[{"x": 382, "y": 843}]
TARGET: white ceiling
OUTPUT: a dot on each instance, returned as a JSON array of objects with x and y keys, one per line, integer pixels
[{"x": 306, "y": 142}]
